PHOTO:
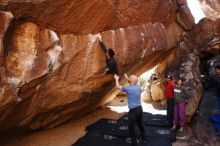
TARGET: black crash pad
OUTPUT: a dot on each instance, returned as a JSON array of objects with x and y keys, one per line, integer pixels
[
  {"x": 150, "y": 132},
  {"x": 107, "y": 132},
  {"x": 151, "y": 120},
  {"x": 103, "y": 124},
  {"x": 91, "y": 139},
  {"x": 158, "y": 141},
  {"x": 161, "y": 132},
  {"x": 118, "y": 129}
]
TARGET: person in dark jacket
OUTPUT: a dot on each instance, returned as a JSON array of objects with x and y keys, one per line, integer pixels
[
  {"x": 110, "y": 60},
  {"x": 216, "y": 118},
  {"x": 169, "y": 88},
  {"x": 217, "y": 84}
]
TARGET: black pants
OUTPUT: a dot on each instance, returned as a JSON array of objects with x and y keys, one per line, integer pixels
[
  {"x": 170, "y": 110},
  {"x": 135, "y": 116}
]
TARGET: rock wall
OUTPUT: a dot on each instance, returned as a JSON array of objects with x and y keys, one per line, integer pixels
[
  {"x": 211, "y": 8},
  {"x": 154, "y": 89},
  {"x": 206, "y": 36},
  {"x": 184, "y": 60},
  {"x": 52, "y": 66},
  {"x": 83, "y": 17}
]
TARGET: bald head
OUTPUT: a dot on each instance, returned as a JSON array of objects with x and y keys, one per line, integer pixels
[{"x": 133, "y": 79}]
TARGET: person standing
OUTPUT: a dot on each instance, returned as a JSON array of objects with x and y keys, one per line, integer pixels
[
  {"x": 135, "y": 114},
  {"x": 217, "y": 84},
  {"x": 180, "y": 96},
  {"x": 216, "y": 118},
  {"x": 169, "y": 88}
]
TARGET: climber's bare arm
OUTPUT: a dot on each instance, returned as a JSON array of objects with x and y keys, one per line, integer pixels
[
  {"x": 102, "y": 45},
  {"x": 126, "y": 76}
]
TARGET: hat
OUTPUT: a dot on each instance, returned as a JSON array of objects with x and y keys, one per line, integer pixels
[{"x": 169, "y": 77}]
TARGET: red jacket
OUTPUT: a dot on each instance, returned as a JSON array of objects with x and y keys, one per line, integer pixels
[{"x": 169, "y": 89}]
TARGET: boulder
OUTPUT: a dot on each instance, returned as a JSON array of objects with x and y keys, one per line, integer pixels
[
  {"x": 53, "y": 66},
  {"x": 157, "y": 91},
  {"x": 187, "y": 68},
  {"x": 91, "y": 16},
  {"x": 5, "y": 18},
  {"x": 185, "y": 18},
  {"x": 211, "y": 8},
  {"x": 52, "y": 77}
]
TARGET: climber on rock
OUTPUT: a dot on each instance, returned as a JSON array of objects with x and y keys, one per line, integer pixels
[
  {"x": 135, "y": 114},
  {"x": 148, "y": 44},
  {"x": 110, "y": 60}
]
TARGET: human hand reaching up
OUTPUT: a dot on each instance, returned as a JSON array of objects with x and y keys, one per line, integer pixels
[
  {"x": 99, "y": 37},
  {"x": 116, "y": 77},
  {"x": 126, "y": 76},
  {"x": 117, "y": 82}
]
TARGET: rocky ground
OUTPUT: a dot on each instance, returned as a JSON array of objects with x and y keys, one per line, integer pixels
[
  {"x": 70, "y": 132},
  {"x": 64, "y": 135}
]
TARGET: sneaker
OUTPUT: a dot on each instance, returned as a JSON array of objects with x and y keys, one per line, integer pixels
[
  {"x": 173, "y": 128},
  {"x": 181, "y": 129},
  {"x": 144, "y": 141},
  {"x": 217, "y": 132}
]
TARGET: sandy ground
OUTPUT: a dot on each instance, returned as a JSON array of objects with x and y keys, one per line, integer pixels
[
  {"x": 64, "y": 135},
  {"x": 70, "y": 132}
]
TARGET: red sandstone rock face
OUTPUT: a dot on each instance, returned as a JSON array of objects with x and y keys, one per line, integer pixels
[
  {"x": 5, "y": 18},
  {"x": 83, "y": 17},
  {"x": 184, "y": 17},
  {"x": 54, "y": 78},
  {"x": 186, "y": 66},
  {"x": 211, "y": 8},
  {"x": 50, "y": 75},
  {"x": 203, "y": 38},
  {"x": 181, "y": 2},
  {"x": 206, "y": 36}
]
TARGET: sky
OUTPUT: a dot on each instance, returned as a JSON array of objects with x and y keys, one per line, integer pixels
[{"x": 195, "y": 10}]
